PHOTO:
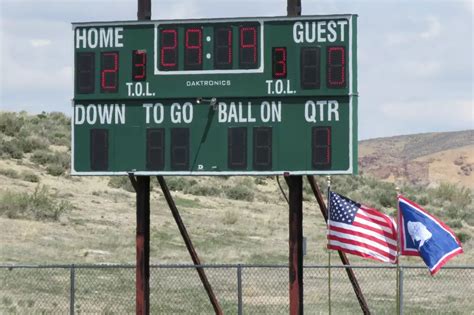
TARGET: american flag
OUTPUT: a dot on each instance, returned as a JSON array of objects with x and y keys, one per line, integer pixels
[{"x": 356, "y": 229}]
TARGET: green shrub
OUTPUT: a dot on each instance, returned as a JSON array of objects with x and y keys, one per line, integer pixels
[
  {"x": 30, "y": 177},
  {"x": 469, "y": 217},
  {"x": 12, "y": 149},
  {"x": 122, "y": 182},
  {"x": 45, "y": 207},
  {"x": 36, "y": 132},
  {"x": 179, "y": 183},
  {"x": 13, "y": 205},
  {"x": 42, "y": 157},
  {"x": 454, "y": 224},
  {"x": 422, "y": 200},
  {"x": 54, "y": 170},
  {"x": 203, "y": 189},
  {"x": 187, "y": 203},
  {"x": 230, "y": 217},
  {"x": 240, "y": 192},
  {"x": 260, "y": 180},
  {"x": 31, "y": 143},
  {"x": 10, "y": 123},
  {"x": 460, "y": 196},
  {"x": 60, "y": 138},
  {"x": 9, "y": 173},
  {"x": 40, "y": 205},
  {"x": 463, "y": 237},
  {"x": 175, "y": 183},
  {"x": 386, "y": 198}
]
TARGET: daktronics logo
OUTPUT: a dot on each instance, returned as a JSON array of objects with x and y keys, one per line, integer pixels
[{"x": 209, "y": 83}]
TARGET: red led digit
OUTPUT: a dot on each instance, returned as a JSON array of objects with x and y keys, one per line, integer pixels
[
  {"x": 336, "y": 67},
  {"x": 109, "y": 71},
  {"x": 328, "y": 146},
  {"x": 248, "y": 40},
  {"x": 279, "y": 62},
  {"x": 223, "y": 48},
  {"x": 139, "y": 65},
  {"x": 321, "y": 147},
  {"x": 229, "y": 46},
  {"x": 248, "y": 47},
  {"x": 310, "y": 67},
  {"x": 168, "y": 49},
  {"x": 85, "y": 72},
  {"x": 193, "y": 51}
]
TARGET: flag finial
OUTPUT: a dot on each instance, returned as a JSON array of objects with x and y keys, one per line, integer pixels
[
  {"x": 328, "y": 179},
  {"x": 397, "y": 189}
]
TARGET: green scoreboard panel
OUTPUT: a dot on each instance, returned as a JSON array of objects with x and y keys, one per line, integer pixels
[{"x": 213, "y": 97}]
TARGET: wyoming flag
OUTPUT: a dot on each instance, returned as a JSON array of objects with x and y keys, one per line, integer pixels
[{"x": 422, "y": 234}]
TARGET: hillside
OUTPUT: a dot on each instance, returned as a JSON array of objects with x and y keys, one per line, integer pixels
[
  {"x": 47, "y": 216},
  {"x": 423, "y": 159}
]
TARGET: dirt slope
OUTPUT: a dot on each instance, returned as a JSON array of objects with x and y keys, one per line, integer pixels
[{"x": 421, "y": 159}]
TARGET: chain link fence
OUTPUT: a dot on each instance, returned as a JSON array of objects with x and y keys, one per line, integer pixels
[{"x": 240, "y": 289}]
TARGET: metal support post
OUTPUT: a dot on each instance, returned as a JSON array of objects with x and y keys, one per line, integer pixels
[
  {"x": 142, "y": 188},
  {"x": 294, "y": 8},
  {"x": 239, "y": 289},
  {"x": 72, "y": 289},
  {"x": 144, "y": 10},
  {"x": 400, "y": 291},
  {"x": 189, "y": 245},
  {"x": 295, "y": 184},
  {"x": 143, "y": 246}
]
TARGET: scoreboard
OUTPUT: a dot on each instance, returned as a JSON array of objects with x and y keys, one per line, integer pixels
[{"x": 236, "y": 96}]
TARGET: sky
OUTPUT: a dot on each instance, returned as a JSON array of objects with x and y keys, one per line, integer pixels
[{"x": 415, "y": 58}]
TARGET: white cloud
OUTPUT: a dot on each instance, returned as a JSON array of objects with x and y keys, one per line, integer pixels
[
  {"x": 437, "y": 113},
  {"x": 469, "y": 5},
  {"x": 433, "y": 30},
  {"x": 40, "y": 42},
  {"x": 178, "y": 10},
  {"x": 416, "y": 116},
  {"x": 421, "y": 68},
  {"x": 34, "y": 54},
  {"x": 429, "y": 29}
]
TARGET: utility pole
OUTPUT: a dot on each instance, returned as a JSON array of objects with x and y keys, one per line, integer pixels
[
  {"x": 295, "y": 185},
  {"x": 142, "y": 188}
]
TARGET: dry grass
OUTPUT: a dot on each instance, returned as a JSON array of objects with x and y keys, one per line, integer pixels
[{"x": 101, "y": 226}]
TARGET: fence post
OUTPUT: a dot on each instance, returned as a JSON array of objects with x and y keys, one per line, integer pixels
[
  {"x": 400, "y": 291},
  {"x": 239, "y": 289},
  {"x": 72, "y": 290}
]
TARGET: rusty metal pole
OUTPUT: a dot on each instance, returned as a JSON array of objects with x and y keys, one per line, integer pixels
[
  {"x": 189, "y": 245},
  {"x": 294, "y": 8},
  {"x": 144, "y": 10},
  {"x": 143, "y": 245},
  {"x": 142, "y": 188},
  {"x": 345, "y": 261},
  {"x": 295, "y": 185}
]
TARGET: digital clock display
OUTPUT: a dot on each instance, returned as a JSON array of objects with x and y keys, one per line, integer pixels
[
  {"x": 216, "y": 58},
  {"x": 220, "y": 44}
]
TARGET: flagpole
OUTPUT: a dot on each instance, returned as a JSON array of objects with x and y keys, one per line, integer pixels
[
  {"x": 328, "y": 178},
  {"x": 399, "y": 311}
]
